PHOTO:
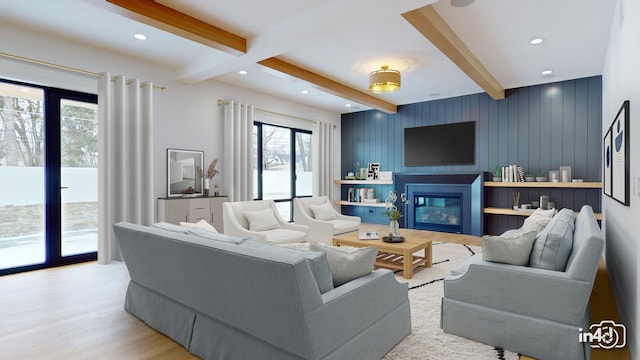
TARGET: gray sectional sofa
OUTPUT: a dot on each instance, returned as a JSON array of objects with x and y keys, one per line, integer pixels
[
  {"x": 233, "y": 298},
  {"x": 531, "y": 310}
]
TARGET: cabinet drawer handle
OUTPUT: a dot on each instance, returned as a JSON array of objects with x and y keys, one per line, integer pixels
[{"x": 199, "y": 208}]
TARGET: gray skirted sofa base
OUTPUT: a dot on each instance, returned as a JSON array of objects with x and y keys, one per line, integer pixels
[
  {"x": 242, "y": 299},
  {"x": 533, "y": 311}
]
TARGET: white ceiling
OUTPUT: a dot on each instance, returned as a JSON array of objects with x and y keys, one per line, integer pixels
[{"x": 345, "y": 40}]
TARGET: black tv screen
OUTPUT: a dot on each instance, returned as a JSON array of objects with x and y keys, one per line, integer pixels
[{"x": 447, "y": 144}]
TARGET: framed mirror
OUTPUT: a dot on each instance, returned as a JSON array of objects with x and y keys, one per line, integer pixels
[{"x": 183, "y": 172}]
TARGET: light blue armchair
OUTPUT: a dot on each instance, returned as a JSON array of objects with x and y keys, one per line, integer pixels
[{"x": 533, "y": 311}]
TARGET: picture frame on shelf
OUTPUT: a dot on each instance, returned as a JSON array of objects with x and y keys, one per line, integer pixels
[
  {"x": 373, "y": 171},
  {"x": 606, "y": 162},
  {"x": 619, "y": 155},
  {"x": 183, "y": 174}
]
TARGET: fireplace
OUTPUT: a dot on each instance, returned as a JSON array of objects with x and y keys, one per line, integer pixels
[
  {"x": 441, "y": 212},
  {"x": 448, "y": 203}
]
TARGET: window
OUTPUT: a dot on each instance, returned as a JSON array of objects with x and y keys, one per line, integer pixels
[
  {"x": 48, "y": 169},
  {"x": 282, "y": 165}
]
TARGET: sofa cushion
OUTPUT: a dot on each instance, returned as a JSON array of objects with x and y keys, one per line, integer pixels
[
  {"x": 347, "y": 263},
  {"x": 171, "y": 227},
  {"x": 514, "y": 249},
  {"x": 261, "y": 220},
  {"x": 553, "y": 245},
  {"x": 320, "y": 265},
  {"x": 206, "y": 234},
  {"x": 202, "y": 224},
  {"x": 323, "y": 212}
]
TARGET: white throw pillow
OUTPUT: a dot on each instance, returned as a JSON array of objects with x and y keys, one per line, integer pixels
[
  {"x": 535, "y": 223},
  {"x": 323, "y": 212},
  {"x": 347, "y": 263},
  {"x": 546, "y": 213},
  {"x": 202, "y": 224},
  {"x": 262, "y": 220},
  {"x": 513, "y": 250}
]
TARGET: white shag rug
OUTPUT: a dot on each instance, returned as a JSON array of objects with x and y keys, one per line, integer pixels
[{"x": 427, "y": 340}]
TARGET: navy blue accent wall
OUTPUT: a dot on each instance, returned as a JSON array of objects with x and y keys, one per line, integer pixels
[{"x": 539, "y": 127}]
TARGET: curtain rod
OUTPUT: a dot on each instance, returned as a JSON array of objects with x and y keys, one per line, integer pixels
[
  {"x": 62, "y": 67},
  {"x": 223, "y": 102}
]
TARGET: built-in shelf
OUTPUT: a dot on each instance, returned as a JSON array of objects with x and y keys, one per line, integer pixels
[
  {"x": 576, "y": 185},
  {"x": 342, "y": 202},
  {"x": 504, "y": 211},
  {"x": 363, "y": 182}
]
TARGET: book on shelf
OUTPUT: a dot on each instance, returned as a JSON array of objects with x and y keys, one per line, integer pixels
[{"x": 512, "y": 173}]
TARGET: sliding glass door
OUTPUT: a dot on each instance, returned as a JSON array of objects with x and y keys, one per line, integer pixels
[
  {"x": 282, "y": 165},
  {"x": 79, "y": 176},
  {"x": 22, "y": 176},
  {"x": 48, "y": 177}
]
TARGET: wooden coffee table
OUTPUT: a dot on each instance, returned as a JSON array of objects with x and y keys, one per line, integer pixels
[{"x": 395, "y": 256}]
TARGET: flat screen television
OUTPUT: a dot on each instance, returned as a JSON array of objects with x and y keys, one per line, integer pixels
[{"x": 446, "y": 144}]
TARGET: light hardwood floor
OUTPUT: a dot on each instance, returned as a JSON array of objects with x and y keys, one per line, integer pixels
[{"x": 76, "y": 312}]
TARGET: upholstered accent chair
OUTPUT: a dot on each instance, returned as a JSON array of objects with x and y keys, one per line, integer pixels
[
  {"x": 322, "y": 219},
  {"x": 536, "y": 310},
  {"x": 260, "y": 221}
]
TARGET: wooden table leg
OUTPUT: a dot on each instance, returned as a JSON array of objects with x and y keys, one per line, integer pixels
[
  {"x": 428, "y": 255},
  {"x": 407, "y": 262}
]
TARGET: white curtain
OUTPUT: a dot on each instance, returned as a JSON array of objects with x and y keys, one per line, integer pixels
[
  {"x": 323, "y": 144},
  {"x": 125, "y": 161},
  {"x": 238, "y": 148}
]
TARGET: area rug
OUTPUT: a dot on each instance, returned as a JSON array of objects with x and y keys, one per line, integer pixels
[{"x": 427, "y": 340}]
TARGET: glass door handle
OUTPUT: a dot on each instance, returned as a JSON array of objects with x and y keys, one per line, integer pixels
[{"x": 64, "y": 187}]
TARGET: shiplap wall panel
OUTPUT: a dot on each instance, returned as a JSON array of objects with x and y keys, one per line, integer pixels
[{"x": 539, "y": 127}]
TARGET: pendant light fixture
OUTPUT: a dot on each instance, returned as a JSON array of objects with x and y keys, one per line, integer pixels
[{"x": 384, "y": 80}]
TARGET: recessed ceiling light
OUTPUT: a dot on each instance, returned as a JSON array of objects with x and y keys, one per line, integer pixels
[
  {"x": 305, "y": 92},
  {"x": 140, "y": 36},
  {"x": 243, "y": 72},
  {"x": 547, "y": 72},
  {"x": 347, "y": 105},
  {"x": 536, "y": 41}
]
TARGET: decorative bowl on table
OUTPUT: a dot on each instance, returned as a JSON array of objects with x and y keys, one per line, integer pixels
[{"x": 393, "y": 239}]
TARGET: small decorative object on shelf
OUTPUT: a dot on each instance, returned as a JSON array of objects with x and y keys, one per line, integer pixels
[
  {"x": 497, "y": 174},
  {"x": 516, "y": 200},
  {"x": 216, "y": 188},
  {"x": 529, "y": 178},
  {"x": 542, "y": 177},
  {"x": 211, "y": 172},
  {"x": 394, "y": 213}
]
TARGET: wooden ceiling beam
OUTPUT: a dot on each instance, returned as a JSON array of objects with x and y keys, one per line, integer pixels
[
  {"x": 178, "y": 23},
  {"x": 432, "y": 26},
  {"x": 329, "y": 85}
]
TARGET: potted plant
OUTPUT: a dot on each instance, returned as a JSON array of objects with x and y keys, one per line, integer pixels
[
  {"x": 542, "y": 177},
  {"x": 529, "y": 178},
  {"x": 497, "y": 174},
  {"x": 394, "y": 213}
]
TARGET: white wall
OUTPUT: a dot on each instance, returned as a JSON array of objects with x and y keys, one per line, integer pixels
[
  {"x": 620, "y": 82},
  {"x": 186, "y": 116}
]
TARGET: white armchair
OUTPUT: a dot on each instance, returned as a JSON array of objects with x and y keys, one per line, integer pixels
[
  {"x": 260, "y": 221},
  {"x": 325, "y": 222}
]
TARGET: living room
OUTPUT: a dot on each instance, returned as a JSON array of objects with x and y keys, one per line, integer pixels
[{"x": 187, "y": 116}]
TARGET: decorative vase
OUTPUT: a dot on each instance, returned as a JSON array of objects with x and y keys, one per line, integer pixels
[
  {"x": 394, "y": 229},
  {"x": 206, "y": 186}
]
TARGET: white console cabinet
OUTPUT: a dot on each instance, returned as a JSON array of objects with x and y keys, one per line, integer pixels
[{"x": 175, "y": 210}]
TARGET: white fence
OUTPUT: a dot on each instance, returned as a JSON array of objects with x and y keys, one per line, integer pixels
[{"x": 25, "y": 185}]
